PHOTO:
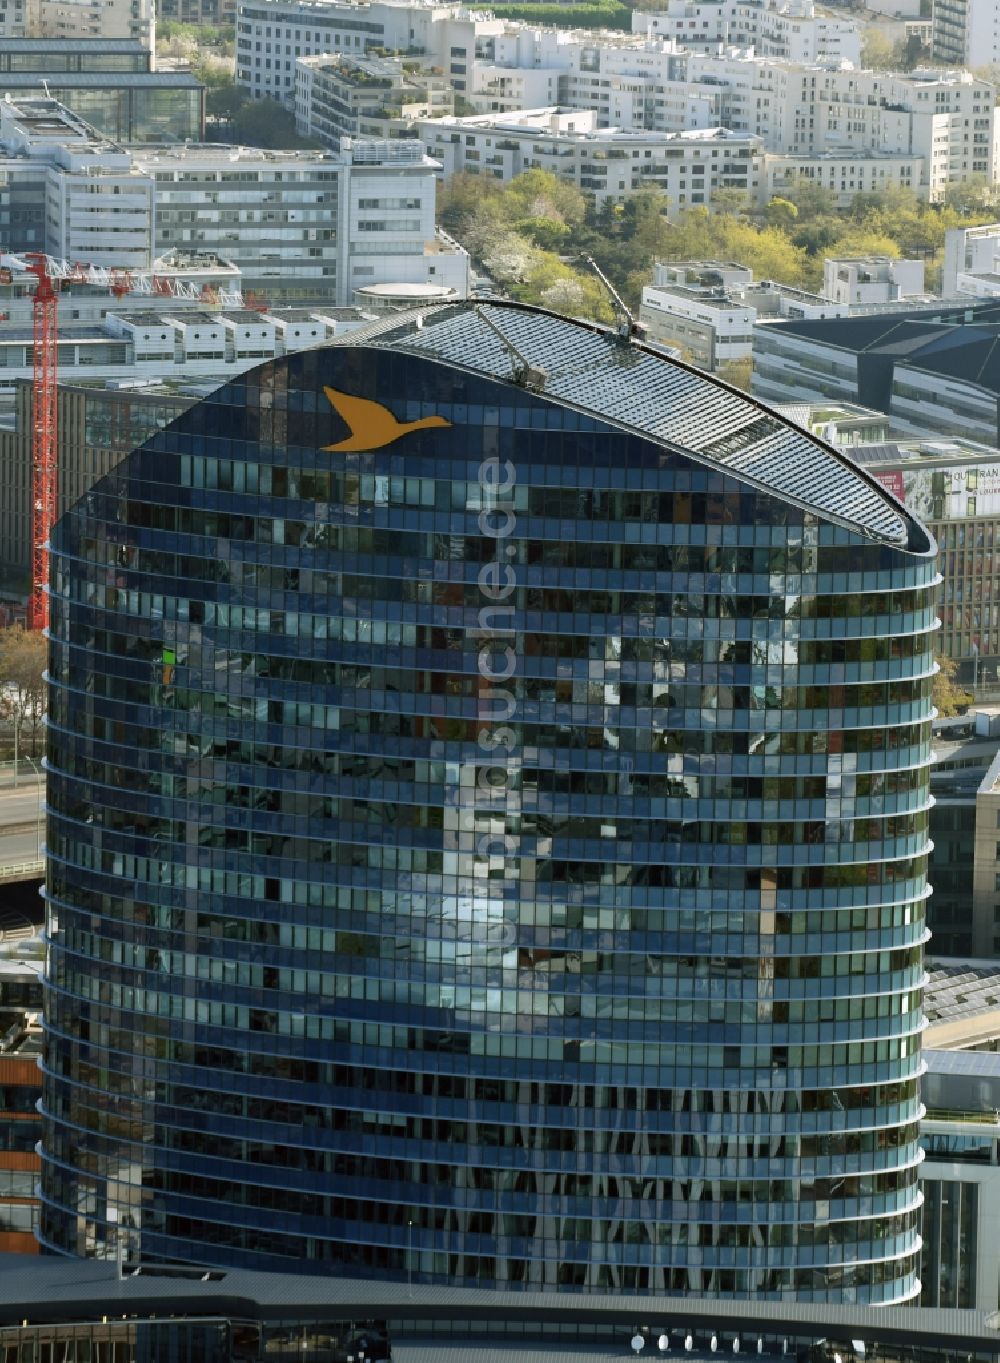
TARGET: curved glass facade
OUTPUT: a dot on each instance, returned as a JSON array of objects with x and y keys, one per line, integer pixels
[{"x": 487, "y": 839}]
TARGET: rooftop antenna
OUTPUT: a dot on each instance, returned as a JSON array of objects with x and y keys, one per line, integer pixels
[
  {"x": 525, "y": 375},
  {"x": 626, "y": 326}
]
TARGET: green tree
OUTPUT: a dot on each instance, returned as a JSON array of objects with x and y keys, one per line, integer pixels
[
  {"x": 737, "y": 372},
  {"x": 540, "y": 194},
  {"x": 781, "y": 213},
  {"x": 949, "y": 698},
  {"x": 266, "y": 123},
  {"x": 878, "y": 51},
  {"x": 223, "y": 97},
  {"x": 23, "y": 657}
]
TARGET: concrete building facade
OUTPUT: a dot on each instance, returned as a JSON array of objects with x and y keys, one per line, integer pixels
[
  {"x": 971, "y": 261},
  {"x": 863, "y": 280},
  {"x": 965, "y": 32},
  {"x": 792, "y": 29},
  {"x": 609, "y": 163},
  {"x": 307, "y": 226},
  {"x": 343, "y": 96},
  {"x": 69, "y": 192},
  {"x": 709, "y": 309},
  {"x": 945, "y": 383}
]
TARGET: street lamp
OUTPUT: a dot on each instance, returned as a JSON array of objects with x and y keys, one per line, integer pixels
[{"x": 38, "y": 804}]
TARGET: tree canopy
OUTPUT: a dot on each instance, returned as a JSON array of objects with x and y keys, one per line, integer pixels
[
  {"x": 949, "y": 698},
  {"x": 540, "y": 228},
  {"x": 23, "y": 656}
]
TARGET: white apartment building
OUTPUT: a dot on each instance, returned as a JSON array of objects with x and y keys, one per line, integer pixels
[
  {"x": 966, "y": 32},
  {"x": 779, "y": 71},
  {"x": 16, "y": 18},
  {"x": 709, "y": 309},
  {"x": 68, "y": 191},
  {"x": 307, "y": 225},
  {"x": 609, "y": 163},
  {"x": 843, "y": 173},
  {"x": 94, "y": 19},
  {"x": 340, "y": 96},
  {"x": 865, "y": 280},
  {"x": 790, "y": 29},
  {"x": 972, "y": 261},
  {"x": 945, "y": 118},
  {"x": 272, "y": 34},
  {"x": 79, "y": 19}
]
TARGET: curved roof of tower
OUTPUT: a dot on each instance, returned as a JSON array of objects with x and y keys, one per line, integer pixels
[{"x": 641, "y": 389}]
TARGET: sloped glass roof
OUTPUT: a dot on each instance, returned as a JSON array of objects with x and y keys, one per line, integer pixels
[{"x": 641, "y": 389}]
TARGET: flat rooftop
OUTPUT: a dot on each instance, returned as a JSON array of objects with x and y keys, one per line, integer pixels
[
  {"x": 58, "y": 1290},
  {"x": 101, "y": 80},
  {"x": 74, "y": 46},
  {"x": 961, "y": 1004}
]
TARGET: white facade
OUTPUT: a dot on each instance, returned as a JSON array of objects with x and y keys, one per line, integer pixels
[
  {"x": 172, "y": 341},
  {"x": 98, "y": 206},
  {"x": 271, "y": 34},
  {"x": 844, "y": 174},
  {"x": 710, "y": 309},
  {"x": 894, "y": 9},
  {"x": 95, "y": 19},
  {"x": 779, "y": 71},
  {"x": 17, "y": 18},
  {"x": 339, "y": 96},
  {"x": 307, "y": 225},
  {"x": 972, "y": 261},
  {"x": 948, "y": 118},
  {"x": 871, "y": 279},
  {"x": 712, "y": 330},
  {"x": 607, "y": 162},
  {"x": 966, "y": 32},
  {"x": 792, "y": 29}
]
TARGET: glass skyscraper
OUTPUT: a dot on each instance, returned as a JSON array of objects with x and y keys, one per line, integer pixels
[{"x": 488, "y": 789}]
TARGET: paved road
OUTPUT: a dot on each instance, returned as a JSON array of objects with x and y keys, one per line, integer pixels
[{"x": 21, "y": 821}]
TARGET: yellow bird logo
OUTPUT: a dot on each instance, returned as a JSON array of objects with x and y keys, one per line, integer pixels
[{"x": 372, "y": 426}]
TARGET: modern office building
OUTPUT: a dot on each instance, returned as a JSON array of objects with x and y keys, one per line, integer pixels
[
  {"x": 863, "y": 280},
  {"x": 953, "y": 485},
  {"x": 111, "y": 398},
  {"x": 50, "y": 56},
  {"x": 971, "y": 261},
  {"x": 487, "y": 831},
  {"x": 308, "y": 225},
  {"x": 933, "y": 369},
  {"x": 709, "y": 308},
  {"x": 50, "y": 1309},
  {"x": 960, "y": 1178},
  {"x": 126, "y": 106},
  {"x": 964, "y": 748},
  {"x": 20, "y": 1090},
  {"x": 70, "y": 192},
  {"x": 791, "y": 29}
]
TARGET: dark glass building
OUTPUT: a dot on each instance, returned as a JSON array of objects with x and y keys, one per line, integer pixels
[{"x": 487, "y": 830}]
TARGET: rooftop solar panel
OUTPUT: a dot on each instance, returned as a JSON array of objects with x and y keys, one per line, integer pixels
[{"x": 642, "y": 390}]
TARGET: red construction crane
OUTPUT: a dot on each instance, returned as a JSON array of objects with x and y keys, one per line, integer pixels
[
  {"x": 45, "y": 413},
  {"x": 44, "y": 436}
]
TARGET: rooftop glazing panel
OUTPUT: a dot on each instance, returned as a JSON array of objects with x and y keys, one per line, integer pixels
[{"x": 643, "y": 390}]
